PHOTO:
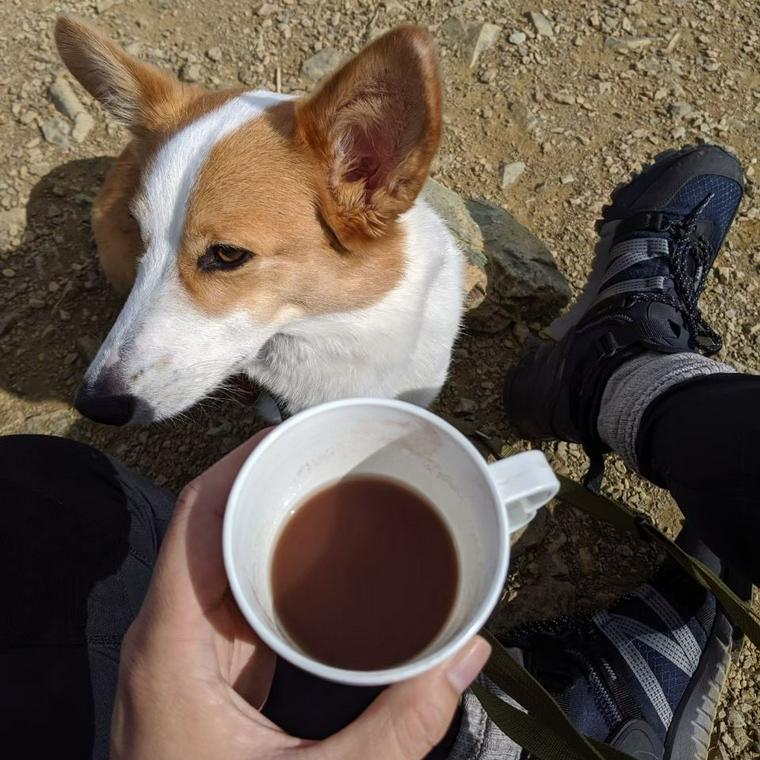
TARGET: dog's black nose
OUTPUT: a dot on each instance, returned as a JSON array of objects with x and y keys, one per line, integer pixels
[{"x": 106, "y": 400}]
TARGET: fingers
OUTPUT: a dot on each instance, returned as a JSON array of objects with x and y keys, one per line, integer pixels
[
  {"x": 407, "y": 720},
  {"x": 189, "y": 575}
]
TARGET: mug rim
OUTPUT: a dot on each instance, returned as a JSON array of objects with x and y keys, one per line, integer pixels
[{"x": 277, "y": 642}]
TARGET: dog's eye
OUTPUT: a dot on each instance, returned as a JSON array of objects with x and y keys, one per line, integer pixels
[{"x": 220, "y": 256}]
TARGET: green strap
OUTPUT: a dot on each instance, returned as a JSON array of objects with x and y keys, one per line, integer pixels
[
  {"x": 551, "y": 735},
  {"x": 741, "y": 614}
]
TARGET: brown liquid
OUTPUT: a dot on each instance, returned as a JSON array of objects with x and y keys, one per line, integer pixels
[{"x": 364, "y": 574}]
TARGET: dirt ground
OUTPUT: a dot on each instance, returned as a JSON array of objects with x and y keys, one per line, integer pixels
[{"x": 613, "y": 84}]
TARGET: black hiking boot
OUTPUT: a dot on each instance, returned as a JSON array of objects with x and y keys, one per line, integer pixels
[{"x": 658, "y": 241}]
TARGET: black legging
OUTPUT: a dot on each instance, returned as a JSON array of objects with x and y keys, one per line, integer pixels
[
  {"x": 79, "y": 534},
  {"x": 701, "y": 441}
]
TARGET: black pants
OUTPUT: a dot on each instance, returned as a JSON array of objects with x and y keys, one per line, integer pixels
[{"x": 79, "y": 534}]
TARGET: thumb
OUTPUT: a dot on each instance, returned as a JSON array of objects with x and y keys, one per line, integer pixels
[{"x": 408, "y": 719}]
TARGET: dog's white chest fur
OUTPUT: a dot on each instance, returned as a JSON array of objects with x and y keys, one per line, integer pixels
[{"x": 399, "y": 347}]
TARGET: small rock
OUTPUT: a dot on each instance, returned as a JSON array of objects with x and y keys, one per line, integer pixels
[
  {"x": 64, "y": 98},
  {"x": 724, "y": 274},
  {"x": 454, "y": 31},
  {"x": 563, "y": 98},
  {"x": 522, "y": 116},
  {"x": 735, "y": 719},
  {"x": 83, "y": 125},
  {"x": 466, "y": 406},
  {"x": 321, "y": 64},
  {"x": 101, "y": 6},
  {"x": 627, "y": 44},
  {"x": 521, "y": 331},
  {"x": 482, "y": 37},
  {"x": 55, "y": 131},
  {"x": 214, "y": 54},
  {"x": 190, "y": 72},
  {"x": 680, "y": 110},
  {"x": 517, "y": 38},
  {"x": 488, "y": 76},
  {"x": 9, "y": 273},
  {"x": 511, "y": 173},
  {"x": 542, "y": 24},
  {"x": 567, "y": 179},
  {"x": 267, "y": 9}
]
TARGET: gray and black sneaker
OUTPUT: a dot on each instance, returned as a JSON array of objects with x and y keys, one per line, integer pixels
[
  {"x": 658, "y": 241},
  {"x": 645, "y": 675}
]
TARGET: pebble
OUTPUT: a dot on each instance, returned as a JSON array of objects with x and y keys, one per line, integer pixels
[
  {"x": 190, "y": 72},
  {"x": 517, "y": 38},
  {"x": 467, "y": 406},
  {"x": 563, "y": 98},
  {"x": 214, "y": 54},
  {"x": 511, "y": 173},
  {"x": 9, "y": 273},
  {"x": 488, "y": 76},
  {"x": 567, "y": 179},
  {"x": 64, "y": 98},
  {"x": 680, "y": 110},
  {"x": 542, "y": 24},
  {"x": 482, "y": 37},
  {"x": 627, "y": 44},
  {"x": 321, "y": 64},
  {"x": 83, "y": 125},
  {"x": 101, "y": 6},
  {"x": 56, "y": 131}
]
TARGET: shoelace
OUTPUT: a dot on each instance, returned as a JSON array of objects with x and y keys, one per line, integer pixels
[{"x": 689, "y": 247}]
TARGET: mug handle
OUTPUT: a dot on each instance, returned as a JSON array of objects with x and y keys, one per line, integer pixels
[{"x": 525, "y": 482}]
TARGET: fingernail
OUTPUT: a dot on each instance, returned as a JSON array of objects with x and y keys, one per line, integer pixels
[{"x": 466, "y": 665}]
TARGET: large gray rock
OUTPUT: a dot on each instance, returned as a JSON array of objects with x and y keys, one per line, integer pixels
[
  {"x": 524, "y": 283},
  {"x": 453, "y": 208},
  {"x": 511, "y": 274}
]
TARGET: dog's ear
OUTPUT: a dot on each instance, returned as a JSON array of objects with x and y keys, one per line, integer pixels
[
  {"x": 136, "y": 93},
  {"x": 374, "y": 126}
]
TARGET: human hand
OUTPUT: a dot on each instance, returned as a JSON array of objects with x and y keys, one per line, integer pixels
[{"x": 193, "y": 673}]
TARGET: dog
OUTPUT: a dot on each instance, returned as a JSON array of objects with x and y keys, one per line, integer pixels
[{"x": 269, "y": 235}]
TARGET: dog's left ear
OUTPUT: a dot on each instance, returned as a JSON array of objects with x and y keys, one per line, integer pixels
[{"x": 374, "y": 127}]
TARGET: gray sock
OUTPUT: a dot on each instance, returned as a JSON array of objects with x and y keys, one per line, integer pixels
[
  {"x": 634, "y": 386},
  {"x": 479, "y": 738}
]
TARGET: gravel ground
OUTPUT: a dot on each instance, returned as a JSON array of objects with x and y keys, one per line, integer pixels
[{"x": 545, "y": 116}]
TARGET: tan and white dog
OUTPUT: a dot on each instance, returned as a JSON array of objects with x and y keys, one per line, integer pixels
[{"x": 273, "y": 236}]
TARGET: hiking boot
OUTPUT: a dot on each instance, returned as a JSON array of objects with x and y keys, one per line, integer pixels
[
  {"x": 658, "y": 240},
  {"x": 645, "y": 675}
]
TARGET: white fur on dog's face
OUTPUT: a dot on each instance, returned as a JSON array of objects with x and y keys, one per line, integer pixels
[{"x": 163, "y": 348}]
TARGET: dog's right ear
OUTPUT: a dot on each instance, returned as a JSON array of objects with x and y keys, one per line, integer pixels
[{"x": 136, "y": 93}]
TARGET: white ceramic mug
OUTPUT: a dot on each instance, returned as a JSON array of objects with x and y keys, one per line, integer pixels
[{"x": 480, "y": 503}]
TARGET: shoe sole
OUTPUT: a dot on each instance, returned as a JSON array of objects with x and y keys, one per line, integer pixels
[
  {"x": 690, "y": 732},
  {"x": 607, "y": 225}
]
